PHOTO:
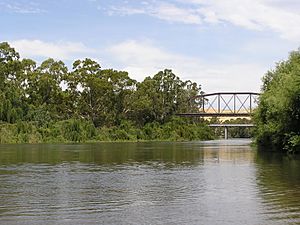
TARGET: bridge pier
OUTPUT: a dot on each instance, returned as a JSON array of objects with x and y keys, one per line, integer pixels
[
  {"x": 227, "y": 125},
  {"x": 226, "y": 133}
]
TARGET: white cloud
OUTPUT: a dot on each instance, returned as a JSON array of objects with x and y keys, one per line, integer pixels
[
  {"x": 123, "y": 10},
  {"x": 260, "y": 15},
  {"x": 56, "y": 50},
  {"x": 17, "y": 7},
  {"x": 173, "y": 13},
  {"x": 143, "y": 59},
  {"x": 253, "y": 14},
  {"x": 164, "y": 11}
]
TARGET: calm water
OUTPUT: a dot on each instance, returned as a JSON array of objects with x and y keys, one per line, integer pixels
[{"x": 216, "y": 182}]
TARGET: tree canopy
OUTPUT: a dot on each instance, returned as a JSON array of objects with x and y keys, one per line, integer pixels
[
  {"x": 278, "y": 115},
  {"x": 50, "y": 93}
]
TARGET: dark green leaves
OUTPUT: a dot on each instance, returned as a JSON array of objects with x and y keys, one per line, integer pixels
[{"x": 278, "y": 113}]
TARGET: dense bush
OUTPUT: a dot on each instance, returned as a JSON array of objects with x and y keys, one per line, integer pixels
[
  {"x": 278, "y": 114},
  {"x": 72, "y": 131}
]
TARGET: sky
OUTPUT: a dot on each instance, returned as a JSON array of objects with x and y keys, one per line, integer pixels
[{"x": 223, "y": 45}]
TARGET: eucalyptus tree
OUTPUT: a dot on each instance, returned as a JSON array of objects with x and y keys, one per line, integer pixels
[
  {"x": 9, "y": 64},
  {"x": 160, "y": 97},
  {"x": 122, "y": 86},
  {"x": 43, "y": 87},
  {"x": 11, "y": 105},
  {"x": 82, "y": 87}
]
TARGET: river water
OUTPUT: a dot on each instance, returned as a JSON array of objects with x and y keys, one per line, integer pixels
[{"x": 213, "y": 182}]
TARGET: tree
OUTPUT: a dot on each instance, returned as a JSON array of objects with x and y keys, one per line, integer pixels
[
  {"x": 52, "y": 103},
  {"x": 43, "y": 86},
  {"x": 9, "y": 64},
  {"x": 11, "y": 105},
  {"x": 122, "y": 87},
  {"x": 161, "y": 97},
  {"x": 278, "y": 114}
]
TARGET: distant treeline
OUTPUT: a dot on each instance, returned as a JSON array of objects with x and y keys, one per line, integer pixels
[
  {"x": 50, "y": 103},
  {"x": 278, "y": 115}
]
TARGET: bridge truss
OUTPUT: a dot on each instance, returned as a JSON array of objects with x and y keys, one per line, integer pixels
[{"x": 225, "y": 104}]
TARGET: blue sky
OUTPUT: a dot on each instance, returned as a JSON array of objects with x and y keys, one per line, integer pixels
[{"x": 222, "y": 45}]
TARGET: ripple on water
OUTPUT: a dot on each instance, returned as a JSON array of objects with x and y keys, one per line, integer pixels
[{"x": 216, "y": 182}]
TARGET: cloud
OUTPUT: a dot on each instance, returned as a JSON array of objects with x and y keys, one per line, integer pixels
[
  {"x": 262, "y": 15},
  {"x": 173, "y": 13},
  {"x": 165, "y": 11},
  {"x": 22, "y": 8},
  {"x": 258, "y": 15},
  {"x": 125, "y": 10},
  {"x": 143, "y": 58},
  {"x": 56, "y": 50}
]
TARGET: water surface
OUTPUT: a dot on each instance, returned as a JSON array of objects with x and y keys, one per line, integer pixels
[{"x": 214, "y": 182}]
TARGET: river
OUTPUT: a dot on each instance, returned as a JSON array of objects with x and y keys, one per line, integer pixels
[{"x": 212, "y": 182}]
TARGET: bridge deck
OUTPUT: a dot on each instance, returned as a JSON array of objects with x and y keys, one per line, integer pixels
[
  {"x": 214, "y": 114},
  {"x": 231, "y": 125}
]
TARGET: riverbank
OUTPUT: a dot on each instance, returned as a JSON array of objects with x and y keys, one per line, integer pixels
[{"x": 81, "y": 131}]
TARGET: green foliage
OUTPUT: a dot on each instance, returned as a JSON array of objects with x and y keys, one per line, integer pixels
[
  {"x": 72, "y": 131},
  {"x": 48, "y": 103},
  {"x": 177, "y": 129},
  {"x": 293, "y": 143},
  {"x": 21, "y": 132},
  {"x": 278, "y": 114},
  {"x": 159, "y": 98}
]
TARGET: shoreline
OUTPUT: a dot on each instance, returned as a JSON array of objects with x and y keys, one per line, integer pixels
[{"x": 134, "y": 141}]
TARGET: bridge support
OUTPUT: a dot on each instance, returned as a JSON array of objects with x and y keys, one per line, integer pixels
[
  {"x": 226, "y": 133},
  {"x": 226, "y": 126}
]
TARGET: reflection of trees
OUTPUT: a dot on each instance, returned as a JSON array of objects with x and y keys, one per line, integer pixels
[
  {"x": 278, "y": 179},
  {"x": 103, "y": 153},
  {"x": 150, "y": 153},
  {"x": 49, "y": 177}
]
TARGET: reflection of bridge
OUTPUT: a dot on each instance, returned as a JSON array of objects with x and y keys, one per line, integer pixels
[{"x": 225, "y": 104}]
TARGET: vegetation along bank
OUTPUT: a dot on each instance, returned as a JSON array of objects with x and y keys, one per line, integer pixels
[
  {"x": 49, "y": 103},
  {"x": 277, "y": 118}
]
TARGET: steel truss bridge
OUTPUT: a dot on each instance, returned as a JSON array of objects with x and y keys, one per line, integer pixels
[{"x": 225, "y": 104}]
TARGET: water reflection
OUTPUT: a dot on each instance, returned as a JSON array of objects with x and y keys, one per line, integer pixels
[
  {"x": 215, "y": 182},
  {"x": 103, "y": 154},
  {"x": 120, "y": 153},
  {"x": 278, "y": 178}
]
